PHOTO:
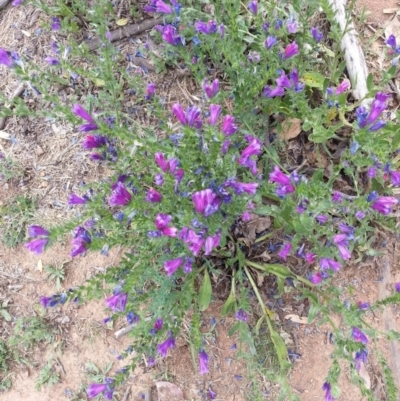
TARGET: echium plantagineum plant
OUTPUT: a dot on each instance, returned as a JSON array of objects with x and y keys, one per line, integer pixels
[{"x": 177, "y": 192}]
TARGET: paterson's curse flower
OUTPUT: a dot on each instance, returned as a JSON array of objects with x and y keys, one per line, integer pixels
[
  {"x": 384, "y": 204},
  {"x": 284, "y": 252},
  {"x": 106, "y": 388},
  {"x": 166, "y": 345},
  {"x": 228, "y": 125},
  {"x": 36, "y": 231},
  {"x": 359, "y": 336},
  {"x": 79, "y": 111},
  {"x": 284, "y": 184},
  {"x": 5, "y": 59},
  {"x": 328, "y": 395},
  {"x": 153, "y": 196},
  {"x": 117, "y": 302},
  {"x": 211, "y": 89},
  {"x": 291, "y": 50},
  {"x": 120, "y": 196},
  {"x": 203, "y": 360},
  {"x": 206, "y": 202},
  {"x": 171, "y": 266}
]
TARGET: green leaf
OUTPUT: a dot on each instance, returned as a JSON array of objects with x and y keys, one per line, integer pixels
[
  {"x": 205, "y": 292},
  {"x": 228, "y": 305},
  {"x": 314, "y": 309},
  {"x": 280, "y": 348},
  {"x": 234, "y": 329},
  {"x": 370, "y": 83},
  {"x": 314, "y": 79},
  {"x": 259, "y": 323},
  {"x": 6, "y": 315}
]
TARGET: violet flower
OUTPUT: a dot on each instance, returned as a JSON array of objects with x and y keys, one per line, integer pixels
[
  {"x": 159, "y": 180},
  {"x": 36, "y": 231},
  {"x": 55, "y": 25},
  {"x": 316, "y": 278},
  {"x": 284, "y": 185},
  {"x": 384, "y": 204},
  {"x": 76, "y": 200},
  {"x": 397, "y": 287},
  {"x": 228, "y": 125},
  {"x": 241, "y": 315},
  {"x": 337, "y": 197},
  {"x": 359, "y": 336},
  {"x": 88, "y": 127},
  {"x": 171, "y": 266},
  {"x": 192, "y": 118},
  {"x": 150, "y": 90},
  {"x": 361, "y": 356},
  {"x": 225, "y": 146},
  {"x": 158, "y": 324},
  {"x": 360, "y": 215},
  {"x": 207, "y": 28},
  {"x": 203, "y": 360},
  {"x": 16, "y": 3},
  {"x": 79, "y": 111},
  {"x": 117, "y": 302},
  {"x": 326, "y": 263},
  {"x": 5, "y": 59},
  {"x": 211, "y": 394},
  {"x": 50, "y": 302},
  {"x": 215, "y": 111},
  {"x": 206, "y": 202},
  {"x": 395, "y": 178},
  {"x": 316, "y": 34},
  {"x": 310, "y": 257},
  {"x": 78, "y": 246},
  {"x": 363, "y": 305},
  {"x": 292, "y": 25},
  {"x": 163, "y": 7},
  {"x": 254, "y": 57},
  {"x": 321, "y": 218},
  {"x": 291, "y": 50},
  {"x": 166, "y": 345},
  {"x": 211, "y": 89},
  {"x": 106, "y": 388},
  {"x": 270, "y": 41},
  {"x": 37, "y": 245},
  {"x": 162, "y": 220},
  {"x": 253, "y": 6},
  {"x": 341, "y": 242},
  {"x": 93, "y": 141},
  {"x": 171, "y": 36},
  {"x": 120, "y": 196},
  {"x": 51, "y": 60},
  {"x": 153, "y": 196},
  {"x": 371, "y": 172},
  {"x": 188, "y": 266},
  {"x": 284, "y": 252},
  {"x": 391, "y": 41},
  {"x": 284, "y": 81},
  {"x": 270, "y": 92},
  {"x": 328, "y": 394},
  {"x": 343, "y": 87}
]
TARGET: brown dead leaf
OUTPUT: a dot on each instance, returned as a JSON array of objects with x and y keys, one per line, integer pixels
[
  {"x": 291, "y": 128},
  {"x": 169, "y": 392},
  {"x": 365, "y": 375},
  {"x": 297, "y": 319},
  {"x": 256, "y": 225}
]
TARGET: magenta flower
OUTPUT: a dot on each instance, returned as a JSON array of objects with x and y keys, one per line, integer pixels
[
  {"x": 203, "y": 360},
  {"x": 5, "y": 59},
  {"x": 254, "y": 148},
  {"x": 206, "y": 202},
  {"x": 284, "y": 81},
  {"x": 93, "y": 141},
  {"x": 158, "y": 324},
  {"x": 269, "y": 92},
  {"x": 361, "y": 356},
  {"x": 96, "y": 156},
  {"x": 310, "y": 257},
  {"x": 163, "y": 8},
  {"x": 215, "y": 111},
  {"x": 88, "y": 127},
  {"x": 284, "y": 185},
  {"x": 150, "y": 90},
  {"x": 395, "y": 178},
  {"x": 253, "y": 6},
  {"x": 76, "y": 200},
  {"x": 341, "y": 242},
  {"x": 106, "y": 388},
  {"x": 153, "y": 196},
  {"x": 343, "y": 87},
  {"x": 321, "y": 218},
  {"x": 284, "y": 252},
  {"x": 337, "y": 197},
  {"x": 36, "y": 231},
  {"x": 211, "y": 394},
  {"x": 162, "y": 220},
  {"x": 117, "y": 302},
  {"x": 170, "y": 35},
  {"x": 328, "y": 395},
  {"x": 241, "y": 315},
  {"x": 16, "y": 3},
  {"x": 249, "y": 188},
  {"x": 171, "y": 266},
  {"x": 120, "y": 196},
  {"x": 79, "y": 111},
  {"x": 384, "y": 204},
  {"x": 397, "y": 287},
  {"x": 228, "y": 125},
  {"x": 161, "y": 162},
  {"x": 37, "y": 245},
  {"x": 378, "y": 106},
  {"x": 359, "y": 336},
  {"x": 166, "y": 345},
  {"x": 159, "y": 180},
  {"x": 192, "y": 118},
  {"x": 326, "y": 263},
  {"x": 211, "y": 89},
  {"x": 291, "y": 50},
  {"x": 271, "y": 40},
  {"x": 316, "y": 278},
  {"x": 225, "y": 146}
]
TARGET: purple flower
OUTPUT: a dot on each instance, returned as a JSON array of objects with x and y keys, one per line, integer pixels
[
  {"x": 328, "y": 395},
  {"x": 283, "y": 81},
  {"x": 120, "y": 196},
  {"x": 78, "y": 246},
  {"x": 93, "y": 141},
  {"x": 153, "y": 196},
  {"x": 269, "y": 92},
  {"x": 211, "y": 89},
  {"x": 284, "y": 252},
  {"x": 16, "y": 3},
  {"x": 316, "y": 34},
  {"x": 254, "y": 57},
  {"x": 162, "y": 220},
  {"x": 343, "y": 87},
  {"x": 171, "y": 266},
  {"x": 132, "y": 318},
  {"x": 384, "y": 204},
  {"x": 37, "y": 246},
  {"x": 228, "y": 125},
  {"x": 51, "y": 60},
  {"x": 321, "y": 218},
  {"x": 76, "y": 200},
  {"x": 96, "y": 156},
  {"x": 241, "y": 315},
  {"x": 397, "y": 287},
  {"x": 284, "y": 184},
  {"x": 163, "y": 8},
  {"x": 150, "y": 90},
  {"x": 158, "y": 324},
  {"x": 203, "y": 360},
  {"x": 211, "y": 394},
  {"x": 53, "y": 300},
  {"x": 215, "y": 111},
  {"x": 377, "y": 126},
  {"x": 161, "y": 162},
  {"x": 360, "y": 215},
  {"x": 363, "y": 305},
  {"x": 55, "y": 25},
  {"x": 359, "y": 336},
  {"x": 106, "y": 388},
  {"x": 310, "y": 257},
  {"x": 117, "y": 302},
  {"x": 316, "y": 278},
  {"x": 361, "y": 356},
  {"x": 188, "y": 266},
  {"x": 192, "y": 117},
  {"x": 166, "y": 345},
  {"x": 159, "y": 180},
  {"x": 253, "y": 6},
  {"x": 271, "y": 40},
  {"x": 391, "y": 41},
  {"x": 291, "y": 50},
  {"x": 326, "y": 263},
  {"x": 337, "y": 197},
  {"x": 170, "y": 35},
  {"x": 206, "y": 202},
  {"x": 207, "y": 29},
  {"x": 36, "y": 231},
  {"x": 79, "y": 111},
  {"x": 377, "y": 107},
  {"x": 108, "y": 36},
  {"x": 88, "y": 127},
  {"x": 292, "y": 25},
  {"x": 395, "y": 178},
  {"x": 371, "y": 172},
  {"x": 225, "y": 146}
]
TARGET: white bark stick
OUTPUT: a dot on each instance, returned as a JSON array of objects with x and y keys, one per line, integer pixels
[{"x": 353, "y": 52}]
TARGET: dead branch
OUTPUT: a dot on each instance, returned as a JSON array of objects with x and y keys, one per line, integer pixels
[
  {"x": 3, "y": 3},
  {"x": 125, "y": 32},
  {"x": 18, "y": 92}
]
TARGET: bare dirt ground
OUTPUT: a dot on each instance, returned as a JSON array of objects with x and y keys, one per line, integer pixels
[{"x": 53, "y": 169}]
